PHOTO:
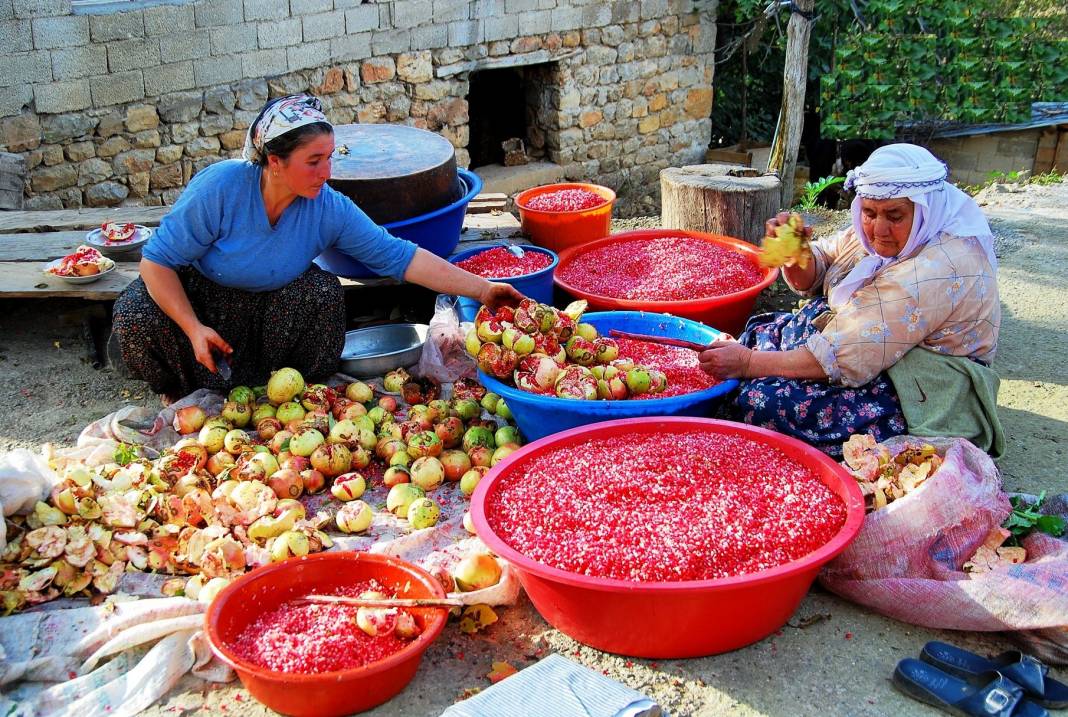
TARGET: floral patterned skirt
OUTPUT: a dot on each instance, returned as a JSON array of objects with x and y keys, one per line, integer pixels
[
  {"x": 301, "y": 325},
  {"x": 821, "y": 414}
]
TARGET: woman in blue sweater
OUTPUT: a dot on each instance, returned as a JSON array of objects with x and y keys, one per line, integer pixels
[{"x": 230, "y": 272}]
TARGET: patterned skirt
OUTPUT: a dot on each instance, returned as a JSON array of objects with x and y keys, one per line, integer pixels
[
  {"x": 818, "y": 413},
  {"x": 301, "y": 325}
]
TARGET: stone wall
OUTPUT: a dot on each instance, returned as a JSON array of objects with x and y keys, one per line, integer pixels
[
  {"x": 972, "y": 158},
  {"x": 123, "y": 107}
]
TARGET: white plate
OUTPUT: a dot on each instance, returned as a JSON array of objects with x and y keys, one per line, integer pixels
[
  {"x": 140, "y": 236},
  {"x": 77, "y": 279}
]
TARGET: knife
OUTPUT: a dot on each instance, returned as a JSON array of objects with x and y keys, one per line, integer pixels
[{"x": 223, "y": 367}]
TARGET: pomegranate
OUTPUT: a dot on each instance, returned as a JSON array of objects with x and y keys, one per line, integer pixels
[
  {"x": 401, "y": 496},
  {"x": 239, "y": 414},
  {"x": 576, "y": 383},
  {"x": 305, "y": 441},
  {"x": 359, "y": 392},
  {"x": 284, "y": 385},
  {"x": 354, "y": 517},
  {"x": 470, "y": 479},
  {"x": 286, "y": 483},
  {"x": 423, "y": 513},
  {"x": 478, "y": 436},
  {"x": 450, "y": 430},
  {"x": 395, "y": 475},
  {"x": 427, "y": 472},
  {"x": 268, "y": 427},
  {"x": 262, "y": 411},
  {"x": 314, "y": 481},
  {"x": 455, "y": 463},
  {"x": 241, "y": 394},
  {"x": 189, "y": 419},
  {"x": 331, "y": 459},
  {"x": 496, "y": 360},
  {"x": 289, "y": 411},
  {"x": 424, "y": 443},
  {"x": 476, "y": 572},
  {"x": 348, "y": 486},
  {"x": 317, "y": 397}
]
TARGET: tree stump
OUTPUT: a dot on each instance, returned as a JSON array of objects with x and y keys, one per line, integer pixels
[
  {"x": 12, "y": 178},
  {"x": 729, "y": 199}
]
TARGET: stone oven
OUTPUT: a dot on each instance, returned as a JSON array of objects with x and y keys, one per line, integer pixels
[{"x": 120, "y": 103}]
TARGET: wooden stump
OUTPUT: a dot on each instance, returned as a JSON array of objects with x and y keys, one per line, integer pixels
[
  {"x": 12, "y": 176},
  {"x": 729, "y": 199}
]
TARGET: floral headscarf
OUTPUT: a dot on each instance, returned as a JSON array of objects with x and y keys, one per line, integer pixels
[
  {"x": 906, "y": 170},
  {"x": 279, "y": 117}
]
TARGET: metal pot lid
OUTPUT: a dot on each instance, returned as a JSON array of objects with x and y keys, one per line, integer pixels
[{"x": 386, "y": 151}]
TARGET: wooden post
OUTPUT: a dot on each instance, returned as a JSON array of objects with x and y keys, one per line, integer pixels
[
  {"x": 729, "y": 199},
  {"x": 783, "y": 158},
  {"x": 12, "y": 178}
]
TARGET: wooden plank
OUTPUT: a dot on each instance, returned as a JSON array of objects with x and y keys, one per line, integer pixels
[
  {"x": 26, "y": 280},
  {"x": 488, "y": 202},
  {"x": 72, "y": 219},
  {"x": 47, "y": 246}
]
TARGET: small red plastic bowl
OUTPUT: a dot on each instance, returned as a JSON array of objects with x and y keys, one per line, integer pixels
[
  {"x": 727, "y": 312},
  {"x": 670, "y": 619},
  {"x": 560, "y": 230},
  {"x": 327, "y": 694}
]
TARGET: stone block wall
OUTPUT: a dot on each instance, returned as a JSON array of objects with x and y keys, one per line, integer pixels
[
  {"x": 972, "y": 158},
  {"x": 112, "y": 108}
]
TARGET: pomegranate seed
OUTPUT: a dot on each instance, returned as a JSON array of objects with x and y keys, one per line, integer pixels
[
  {"x": 313, "y": 638},
  {"x": 664, "y": 507},
  {"x": 499, "y": 263},
  {"x": 565, "y": 200},
  {"x": 683, "y": 370},
  {"x": 661, "y": 269}
]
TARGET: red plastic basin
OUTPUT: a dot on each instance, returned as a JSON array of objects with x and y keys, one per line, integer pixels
[
  {"x": 327, "y": 694},
  {"x": 560, "y": 230},
  {"x": 670, "y": 619},
  {"x": 727, "y": 312}
]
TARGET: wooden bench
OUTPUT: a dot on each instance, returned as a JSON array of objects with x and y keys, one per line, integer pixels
[{"x": 30, "y": 239}]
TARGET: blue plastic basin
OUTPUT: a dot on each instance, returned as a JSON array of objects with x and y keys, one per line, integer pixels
[
  {"x": 537, "y": 286},
  {"x": 438, "y": 232},
  {"x": 539, "y": 416}
]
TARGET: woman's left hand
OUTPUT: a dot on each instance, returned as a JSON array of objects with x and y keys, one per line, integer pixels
[
  {"x": 726, "y": 359},
  {"x": 498, "y": 294}
]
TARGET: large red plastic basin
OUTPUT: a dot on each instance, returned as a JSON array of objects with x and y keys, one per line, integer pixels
[
  {"x": 560, "y": 230},
  {"x": 727, "y": 312},
  {"x": 670, "y": 619},
  {"x": 327, "y": 694}
]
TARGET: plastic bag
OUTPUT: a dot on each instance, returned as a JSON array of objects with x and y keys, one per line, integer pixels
[
  {"x": 906, "y": 561},
  {"x": 444, "y": 357}
]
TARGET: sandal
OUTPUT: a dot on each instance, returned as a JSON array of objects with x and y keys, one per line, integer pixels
[
  {"x": 985, "y": 695},
  {"x": 1024, "y": 670}
]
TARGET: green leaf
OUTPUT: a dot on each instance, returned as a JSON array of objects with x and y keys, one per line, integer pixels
[{"x": 1051, "y": 525}]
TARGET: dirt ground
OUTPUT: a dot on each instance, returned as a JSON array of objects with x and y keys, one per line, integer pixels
[{"x": 838, "y": 665}]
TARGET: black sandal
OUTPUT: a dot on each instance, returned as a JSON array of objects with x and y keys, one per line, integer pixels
[
  {"x": 1024, "y": 670},
  {"x": 985, "y": 695}
]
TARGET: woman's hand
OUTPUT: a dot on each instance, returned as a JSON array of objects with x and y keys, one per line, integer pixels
[
  {"x": 204, "y": 339},
  {"x": 498, "y": 294},
  {"x": 726, "y": 359}
]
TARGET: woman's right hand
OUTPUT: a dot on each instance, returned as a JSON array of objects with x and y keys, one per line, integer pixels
[{"x": 204, "y": 339}]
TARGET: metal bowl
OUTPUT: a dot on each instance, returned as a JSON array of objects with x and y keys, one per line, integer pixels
[{"x": 377, "y": 349}]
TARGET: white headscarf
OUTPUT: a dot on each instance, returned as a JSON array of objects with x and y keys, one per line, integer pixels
[
  {"x": 278, "y": 118},
  {"x": 905, "y": 170}
]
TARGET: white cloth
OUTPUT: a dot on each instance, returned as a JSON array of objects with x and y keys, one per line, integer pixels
[
  {"x": 279, "y": 117},
  {"x": 908, "y": 171}
]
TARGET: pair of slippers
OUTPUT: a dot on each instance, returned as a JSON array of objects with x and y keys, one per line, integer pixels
[{"x": 1011, "y": 684}]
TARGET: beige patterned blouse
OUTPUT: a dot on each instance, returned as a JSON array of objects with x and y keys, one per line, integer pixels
[{"x": 945, "y": 299}]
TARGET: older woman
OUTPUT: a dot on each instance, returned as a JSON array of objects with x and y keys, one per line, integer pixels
[
  {"x": 230, "y": 273},
  {"x": 908, "y": 298}
]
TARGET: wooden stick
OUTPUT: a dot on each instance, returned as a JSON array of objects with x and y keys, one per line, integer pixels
[
  {"x": 387, "y": 602},
  {"x": 681, "y": 343}
]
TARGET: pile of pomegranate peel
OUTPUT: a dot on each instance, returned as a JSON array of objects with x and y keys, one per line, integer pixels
[
  {"x": 884, "y": 477},
  {"x": 549, "y": 352},
  {"x": 664, "y": 507}
]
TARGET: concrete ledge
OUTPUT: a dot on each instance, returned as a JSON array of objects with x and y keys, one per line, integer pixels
[{"x": 512, "y": 180}]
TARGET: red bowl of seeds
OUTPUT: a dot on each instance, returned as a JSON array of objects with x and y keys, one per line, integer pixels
[
  {"x": 558, "y": 216},
  {"x": 667, "y": 537},
  {"x": 321, "y": 663},
  {"x": 710, "y": 278}
]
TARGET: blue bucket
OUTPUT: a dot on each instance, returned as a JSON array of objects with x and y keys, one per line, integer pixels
[
  {"x": 438, "y": 232},
  {"x": 539, "y": 416},
  {"x": 537, "y": 286}
]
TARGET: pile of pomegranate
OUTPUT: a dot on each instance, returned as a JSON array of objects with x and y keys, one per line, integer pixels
[
  {"x": 226, "y": 497},
  {"x": 546, "y": 351},
  {"x": 678, "y": 268},
  {"x": 664, "y": 507}
]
